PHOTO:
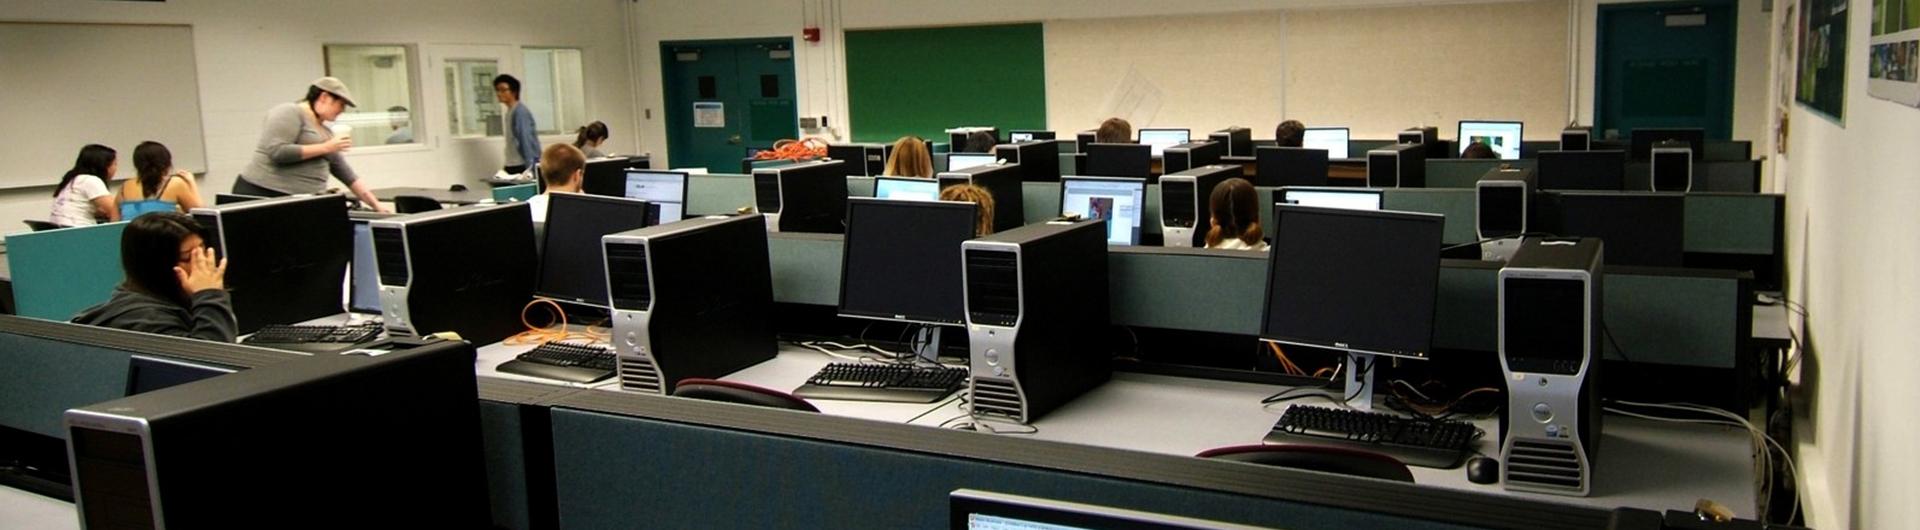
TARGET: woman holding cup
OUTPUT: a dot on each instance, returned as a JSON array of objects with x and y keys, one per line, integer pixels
[{"x": 299, "y": 146}]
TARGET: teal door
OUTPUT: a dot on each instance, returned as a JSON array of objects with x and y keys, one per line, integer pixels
[
  {"x": 1665, "y": 65},
  {"x": 727, "y": 100}
]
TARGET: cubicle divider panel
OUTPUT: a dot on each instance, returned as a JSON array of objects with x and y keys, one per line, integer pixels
[
  {"x": 1358, "y": 148},
  {"x": 1734, "y": 223},
  {"x": 47, "y": 377},
  {"x": 57, "y": 273},
  {"x": 718, "y": 194},
  {"x": 1727, "y": 150},
  {"x": 517, "y": 434},
  {"x": 1689, "y": 318},
  {"x": 517, "y": 192},
  {"x": 1466, "y": 173},
  {"x": 1069, "y": 162},
  {"x": 1458, "y": 205},
  {"x": 1727, "y": 176},
  {"x": 1466, "y": 307},
  {"x": 1040, "y": 201},
  {"x": 740, "y": 467},
  {"x": 1218, "y": 291},
  {"x": 806, "y": 267},
  {"x": 860, "y": 186}
]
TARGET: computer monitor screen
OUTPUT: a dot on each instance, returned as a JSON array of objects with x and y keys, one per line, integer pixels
[
  {"x": 1331, "y": 268},
  {"x": 1290, "y": 166},
  {"x": 572, "y": 268},
  {"x": 1502, "y": 136},
  {"x": 1118, "y": 200},
  {"x": 906, "y": 188},
  {"x": 1017, "y": 137},
  {"x": 146, "y": 374},
  {"x": 1346, "y": 198},
  {"x": 603, "y": 176},
  {"x": 1117, "y": 160},
  {"x": 289, "y": 256},
  {"x": 902, "y": 260},
  {"x": 363, "y": 291},
  {"x": 959, "y": 161},
  {"x": 1544, "y": 323},
  {"x": 1638, "y": 229},
  {"x": 1333, "y": 140},
  {"x": 665, "y": 188},
  {"x": 982, "y": 510},
  {"x": 1160, "y": 139}
]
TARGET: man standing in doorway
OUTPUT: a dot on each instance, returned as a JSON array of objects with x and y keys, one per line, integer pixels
[{"x": 522, "y": 146}]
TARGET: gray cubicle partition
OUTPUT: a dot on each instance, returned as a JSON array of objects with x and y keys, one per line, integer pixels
[
  {"x": 636, "y": 460},
  {"x": 1465, "y": 173}
]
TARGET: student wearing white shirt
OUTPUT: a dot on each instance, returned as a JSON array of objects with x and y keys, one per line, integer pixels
[
  {"x": 82, "y": 198},
  {"x": 563, "y": 167},
  {"x": 1236, "y": 217}
]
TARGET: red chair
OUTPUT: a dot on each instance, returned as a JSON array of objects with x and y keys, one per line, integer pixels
[{"x": 1340, "y": 460}]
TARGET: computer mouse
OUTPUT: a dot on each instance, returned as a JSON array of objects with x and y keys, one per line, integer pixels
[{"x": 1483, "y": 470}]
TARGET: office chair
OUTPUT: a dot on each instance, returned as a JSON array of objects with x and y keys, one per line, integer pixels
[
  {"x": 457, "y": 187},
  {"x": 38, "y": 225},
  {"x": 414, "y": 204},
  {"x": 742, "y": 393},
  {"x": 1340, "y": 460}
]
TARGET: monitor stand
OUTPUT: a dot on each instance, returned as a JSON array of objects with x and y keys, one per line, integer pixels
[
  {"x": 1359, "y": 390},
  {"x": 926, "y": 343}
]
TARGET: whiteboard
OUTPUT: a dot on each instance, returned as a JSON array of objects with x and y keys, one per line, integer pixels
[{"x": 68, "y": 85}]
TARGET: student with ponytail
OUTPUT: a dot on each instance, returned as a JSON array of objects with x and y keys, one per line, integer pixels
[
  {"x": 589, "y": 138},
  {"x": 158, "y": 186},
  {"x": 1236, "y": 217}
]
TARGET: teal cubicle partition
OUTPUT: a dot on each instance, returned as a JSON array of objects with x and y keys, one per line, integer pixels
[
  {"x": 1465, "y": 173},
  {"x": 57, "y": 273},
  {"x": 1458, "y": 205},
  {"x": 517, "y": 192}
]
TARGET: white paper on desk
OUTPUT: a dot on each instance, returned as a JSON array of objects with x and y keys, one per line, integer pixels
[{"x": 1135, "y": 99}]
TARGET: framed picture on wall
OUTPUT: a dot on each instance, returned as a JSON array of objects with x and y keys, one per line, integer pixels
[
  {"x": 1783, "y": 63},
  {"x": 1891, "y": 72},
  {"x": 1822, "y": 70}
]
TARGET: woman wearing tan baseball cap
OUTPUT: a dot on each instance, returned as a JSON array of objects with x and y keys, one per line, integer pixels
[{"x": 297, "y": 149}]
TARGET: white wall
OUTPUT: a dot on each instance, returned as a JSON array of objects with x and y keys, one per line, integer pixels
[
  {"x": 1851, "y": 249},
  {"x": 257, "y": 53}
]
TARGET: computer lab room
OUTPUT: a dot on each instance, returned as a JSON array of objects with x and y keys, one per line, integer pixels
[{"x": 994, "y": 264}]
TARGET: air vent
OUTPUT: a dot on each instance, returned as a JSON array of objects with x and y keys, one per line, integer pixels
[
  {"x": 637, "y": 374},
  {"x": 390, "y": 254},
  {"x": 210, "y": 232},
  {"x": 1176, "y": 203},
  {"x": 766, "y": 191},
  {"x": 993, "y": 287},
  {"x": 1545, "y": 463},
  {"x": 631, "y": 287},
  {"x": 997, "y": 398}
]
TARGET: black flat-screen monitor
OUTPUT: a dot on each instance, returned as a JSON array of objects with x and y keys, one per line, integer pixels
[
  {"x": 906, "y": 188},
  {"x": 146, "y": 374},
  {"x": 1639, "y": 229},
  {"x": 1643, "y": 140},
  {"x": 1160, "y": 139},
  {"x": 1503, "y": 136},
  {"x": 1118, "y": 160},
  {"x": 1120, "y": 201},
  {"x": 901, "y": 260},
  {"x": 288, "y": 256},
  {"x": 982, "y": 510},
  {"x": 666, "y": 189},
  {"x": 1582, "y": 170},
  {"x": 1360, "y": 281},
  {"x": 1336, "y": 141},
  {"x": 571, "y": 266},
  {"x": 604, "y": 177},
  {"x": 1023, "y": 135},
  {"x": 1333, "y": 197},
  {"x": 1289, "y": 166}
]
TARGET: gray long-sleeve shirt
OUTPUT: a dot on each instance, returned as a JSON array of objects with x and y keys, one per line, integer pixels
[
  {"x": 276, "y": 163},
  {"x": 209, "y": 315}
]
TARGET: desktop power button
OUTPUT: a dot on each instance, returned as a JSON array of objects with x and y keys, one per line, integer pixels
[
  {"x": 1542, "y": 412},
  {"x": 993, "y": 357}
]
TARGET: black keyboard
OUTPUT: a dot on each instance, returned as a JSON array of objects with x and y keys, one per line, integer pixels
[
  {"x": 1416, "y": 442},
  {"x": 573, "y": 363},
  {"x": 347, "y": 334},
  {"x": 897, "y": 383}
]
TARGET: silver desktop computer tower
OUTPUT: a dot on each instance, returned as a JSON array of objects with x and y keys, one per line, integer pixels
[
  {"x": 1576, "y": 139},
  {"x": 468, "y": 270},
  {"x": 1185, "y": 213},
  {"x": 1671, "y": 167},
  {"x": 1503, "y": 199},
  {"x": 1034, "y": 296},
  {"x": 1397, "y": 166},
  {"x": 690, "y": 299},
  {"x": 1550, "y": 326}
]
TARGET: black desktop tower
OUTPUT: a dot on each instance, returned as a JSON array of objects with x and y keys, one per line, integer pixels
[
  {"x": 1550, "y": 318},
  {"x": 1039, "y": 159},
  {"x": 1185, "y": 210},
  {"x": 690, "y": 299},
  {"x": 1576, "y": 139},
  {"x": 329, "y": 441},
  {"x": 468, "y": 270},
  {"x": 861, "y": 160},
  {"x": 1672, "y": 167},
  {"x": 1429, "y": 137},
  {"x": 1502, "y": 202},
  {"x": 1238, "y": 141},
  {"x": 287, "y": 256},
  {"x": 1002, "y": 182},
  {"x": 1397, "y": 166},
  {"x": 805, "y": 197},
  {"x": 1035, "y": 298},
  {"x": 1191, "y": 155}
]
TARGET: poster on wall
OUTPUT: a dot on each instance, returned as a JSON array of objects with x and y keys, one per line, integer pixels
[
  {"x": 1891, "y": 72},
  {"x": 1783, "y": 83},
  {"x": 1823, "y": 58}
]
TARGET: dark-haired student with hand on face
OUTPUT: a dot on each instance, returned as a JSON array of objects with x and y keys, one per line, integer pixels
[{"x": 174, "y": 285}]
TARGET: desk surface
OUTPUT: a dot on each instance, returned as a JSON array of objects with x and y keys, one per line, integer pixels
[
  {"x": 471, "y": 196},
  {"x": 20, "y": 509}
]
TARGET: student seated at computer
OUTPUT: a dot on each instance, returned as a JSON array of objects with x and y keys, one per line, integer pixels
[
  {"x": 983, "y": 224},
  {"x": 1236, "y": 217},
  {"x": 564, "y": 168},
  {"x": 1479, "y": 150},
  {"x": 82, "y": 198},
  {"x": 910, "y": 158},
  {"x": 174, "y": 285},
  {"x": 1114, "y": 131},
  {"x": 157, "y": 186},
  {"x": 589, "y": 138},
  {"x": 1290, "y": 133},
  {"x": 980, "y": 142}
]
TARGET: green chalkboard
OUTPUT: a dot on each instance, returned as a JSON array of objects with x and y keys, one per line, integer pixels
[{"x": 922, "y": 81}]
